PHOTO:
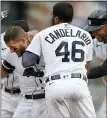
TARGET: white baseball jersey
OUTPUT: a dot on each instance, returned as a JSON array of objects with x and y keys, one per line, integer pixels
[
  {"x": 100, "y": 49},
  {"x": 11, "y": 81},
  {"x": 64, "y": 48},
  {"x": 28, "y": 85},
  {"x": 3, "y": 45},
  {"x": 2, "y": 41}
]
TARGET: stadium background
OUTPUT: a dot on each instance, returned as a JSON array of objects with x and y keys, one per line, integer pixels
[{"x": 38, "y": 15}]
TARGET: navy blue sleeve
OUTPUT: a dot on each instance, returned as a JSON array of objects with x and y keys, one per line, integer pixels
[
  {"x": 29, "y": 59},
  {"x": 99, "y": 71}
]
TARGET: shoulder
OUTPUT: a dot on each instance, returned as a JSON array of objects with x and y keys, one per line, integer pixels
[
  {"x": 82, "y": 30},
  {"x": 2, "y": 35},
  {"x": 3, "y": 45}
]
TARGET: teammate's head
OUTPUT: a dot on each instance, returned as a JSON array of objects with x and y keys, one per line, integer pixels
[
  {"x": 62, "y": 12},
  {"x": 16, "y": 39},
  {"x": 22, "y": 24},
  {"x": 97, "y": 24}
]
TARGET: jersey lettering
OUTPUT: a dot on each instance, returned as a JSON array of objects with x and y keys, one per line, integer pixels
[{"x": 59, "y": 33}]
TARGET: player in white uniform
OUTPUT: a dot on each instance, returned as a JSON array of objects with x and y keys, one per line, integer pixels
[
  {"x": 65, "y": 49},
  {"x": 32, "y": 90},
  {"x": 10, "y": 84},
  {"x": 100, "y": 50},
  {"x": 98, "y": 28}
]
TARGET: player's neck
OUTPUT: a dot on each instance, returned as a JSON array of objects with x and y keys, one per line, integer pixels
[{"x": 64, "y": 22}]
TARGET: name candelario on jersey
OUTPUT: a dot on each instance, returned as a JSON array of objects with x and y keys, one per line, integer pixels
[{"x": 57, "y": 34}]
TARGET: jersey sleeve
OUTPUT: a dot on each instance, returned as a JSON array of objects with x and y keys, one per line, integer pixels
[
  {"x": 7, "y": 62},
  {"x": 7, "y": 56},
  {"x": 90, "y": 51},
  {"x": 35, "y": 46},
  {"x": 3, "y": 45}
]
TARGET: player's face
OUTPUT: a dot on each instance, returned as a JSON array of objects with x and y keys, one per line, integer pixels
[
  {"x": 17, "y": 46},
  {"x": 101, "y": 34}
]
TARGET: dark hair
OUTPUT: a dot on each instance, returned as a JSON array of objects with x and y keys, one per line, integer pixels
[
  {"x": 23, "y": 24},
  {"x": 64, "y": 11}
]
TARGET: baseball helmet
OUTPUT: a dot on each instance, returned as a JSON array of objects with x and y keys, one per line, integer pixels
[
  {"x": 96, "y": 20},
  {"x": 4, "y": 14}
]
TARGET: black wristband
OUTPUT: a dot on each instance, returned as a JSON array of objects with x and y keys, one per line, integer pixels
[
  {"x": 7, "y": 66},
  {"x": 31, "y": 72}
]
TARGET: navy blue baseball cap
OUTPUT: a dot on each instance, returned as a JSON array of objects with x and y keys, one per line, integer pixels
[{"x": 96, "y": 20}]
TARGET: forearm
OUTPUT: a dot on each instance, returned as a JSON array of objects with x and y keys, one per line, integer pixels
[
  {"x": 97, "y": 72},
  {"x": 87, "y": 66}
]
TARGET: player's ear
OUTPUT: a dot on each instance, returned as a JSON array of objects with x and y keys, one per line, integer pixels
[
  {"x": 57, "y": 21},
  {"x": 23, "y": 40}
]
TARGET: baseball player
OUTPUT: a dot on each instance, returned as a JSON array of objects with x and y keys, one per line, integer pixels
[
  {"x": 10, "y": 84},
  {"x": 100, "y": 50},
  {"x": 98, "y": 28},
  {"x": 66, "y": 50},
  {"x": 32, "y": 104}
]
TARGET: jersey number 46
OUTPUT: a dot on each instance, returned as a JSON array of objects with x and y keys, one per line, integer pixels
[{"x": 73, "y": 52}]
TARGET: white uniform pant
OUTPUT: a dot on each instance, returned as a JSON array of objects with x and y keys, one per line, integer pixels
[
  {"x": 31, "y": 108},
  {"x": 103, "y": 111},
  {"x": 8, "y": 104},
  {"x": 69, "y": 98}
]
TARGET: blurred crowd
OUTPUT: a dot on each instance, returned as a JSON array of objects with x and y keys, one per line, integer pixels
[{"x": 38, "y": 14}]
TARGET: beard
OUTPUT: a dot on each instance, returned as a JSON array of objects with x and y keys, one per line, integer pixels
[{"x": 22, "y": 50}]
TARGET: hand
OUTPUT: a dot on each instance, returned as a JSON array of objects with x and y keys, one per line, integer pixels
[
  {"x": 31, "y": 34},
  {"x": 31, "y": 72}
]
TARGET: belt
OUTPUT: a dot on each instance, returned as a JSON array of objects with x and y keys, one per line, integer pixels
[
  {"x": 37, "y": 96},
  {"x": 73, "y": 75},
  {"x": 13, "y": 90}
]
